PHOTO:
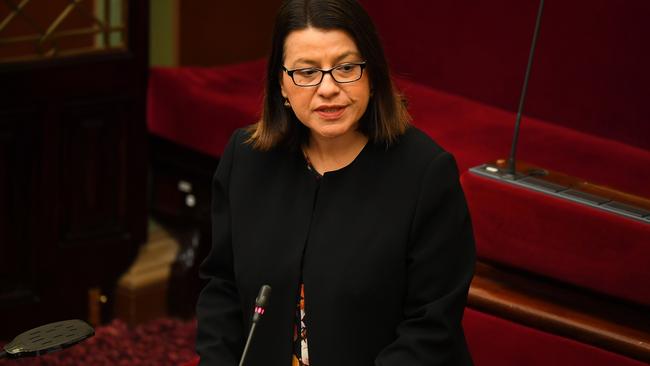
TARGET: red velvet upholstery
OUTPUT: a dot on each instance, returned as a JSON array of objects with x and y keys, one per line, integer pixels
[
  {"x": 526, "y": 229},
  {"x": 476, "y": 133},
  {"x": 497, "y": 342},
  {"x": 199, "y": 108},
  {"x": 559, "y": 238},
  {"x": 589, "y": 75},
  {"x": 194, "y": 362},
  {"x": 590, "y": 71},
  {"x": 588, "y": 93}
]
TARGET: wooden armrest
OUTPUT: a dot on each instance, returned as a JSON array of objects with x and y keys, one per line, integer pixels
[{"x": 557, "y": 308}]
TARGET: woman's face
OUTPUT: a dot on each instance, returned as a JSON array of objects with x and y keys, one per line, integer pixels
[{"x": 330, "y": 109}]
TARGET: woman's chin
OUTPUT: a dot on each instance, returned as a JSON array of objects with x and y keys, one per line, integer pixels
[
  {"x": 332, "y": 131},
  {"x": 331, "y": 134}
]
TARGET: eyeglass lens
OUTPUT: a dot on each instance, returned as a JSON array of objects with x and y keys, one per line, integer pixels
[{"x": 343, "y": 74}]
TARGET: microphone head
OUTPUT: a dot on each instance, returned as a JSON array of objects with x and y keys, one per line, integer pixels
[{"x": 263, "y": 297}]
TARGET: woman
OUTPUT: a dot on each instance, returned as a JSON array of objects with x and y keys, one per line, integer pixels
[{"x": 332, "y": 195}]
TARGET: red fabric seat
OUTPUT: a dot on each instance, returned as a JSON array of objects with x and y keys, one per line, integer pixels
[
  {"x": 193, "y": 362},
  {"x": 588, "y": 92},
  {"x": 497, "y": 342},
  {"x": 525, "y": 229},
  {"x": 200, "y": 107},
  {"x": 589, "y": 73},
  {"x": 560, "y": 239},
  {"x": 477, "y": 133}
]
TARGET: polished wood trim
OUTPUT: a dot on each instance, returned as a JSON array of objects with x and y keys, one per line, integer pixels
[
  {"x": 574, "y": 313},
  {"x": 579, "y": 184}
]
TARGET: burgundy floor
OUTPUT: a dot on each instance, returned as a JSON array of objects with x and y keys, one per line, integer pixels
[{"x": 158, "y": 343}]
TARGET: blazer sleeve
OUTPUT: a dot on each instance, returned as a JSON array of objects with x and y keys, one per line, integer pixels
[
  {"x": 440, "y": 266},
  {"x": 220, "y": 330}
]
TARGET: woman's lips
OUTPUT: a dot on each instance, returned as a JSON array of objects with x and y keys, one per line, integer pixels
[{"x": 331, "y": 113}]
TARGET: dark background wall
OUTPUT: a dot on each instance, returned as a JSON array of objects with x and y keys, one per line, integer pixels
[{"x": 223, "y": 32}]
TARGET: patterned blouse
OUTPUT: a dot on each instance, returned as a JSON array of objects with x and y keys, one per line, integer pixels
[{"x": 300, "y": 348}]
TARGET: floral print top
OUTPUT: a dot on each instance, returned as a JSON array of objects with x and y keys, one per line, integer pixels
[{"x": 300, "y": 349}]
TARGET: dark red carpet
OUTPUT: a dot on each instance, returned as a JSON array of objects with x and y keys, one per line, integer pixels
[{"x": 158, "y": 343}]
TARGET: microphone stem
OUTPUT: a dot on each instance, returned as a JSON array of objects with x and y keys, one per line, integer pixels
[
  {"x": 522, "y": 98},
  {"x": 248, "y": 343}
]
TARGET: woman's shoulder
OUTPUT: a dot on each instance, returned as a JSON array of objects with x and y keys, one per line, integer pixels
[
  {"x": 424, "y": 158},
  {"x": 416, "y": 145},
  {"x": 245, "y": 154},
  {"x": 242, "y": 140}
]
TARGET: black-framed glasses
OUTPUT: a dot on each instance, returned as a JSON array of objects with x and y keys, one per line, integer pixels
[{"x": 311, "y": 76}]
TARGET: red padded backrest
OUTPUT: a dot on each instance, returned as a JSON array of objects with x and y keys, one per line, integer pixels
[{"x": 592, "y": 65}]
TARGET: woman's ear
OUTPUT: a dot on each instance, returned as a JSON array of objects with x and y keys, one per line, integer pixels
[
  {"x": 287, "y": 104},
  {"x": 281, "y": 79}
]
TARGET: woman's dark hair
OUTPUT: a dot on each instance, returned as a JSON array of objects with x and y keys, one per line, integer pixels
[{"x": 386, "y": 117}]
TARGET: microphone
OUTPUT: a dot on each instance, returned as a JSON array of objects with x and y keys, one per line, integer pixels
[
  {"x": 511, "y": 160},
  {"x": 260, "y": 306}
]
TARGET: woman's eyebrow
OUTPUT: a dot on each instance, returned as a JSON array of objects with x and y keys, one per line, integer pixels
[
  {"x": 346, "y": 54},
  {"x": 305, "y": 61},
  {"x": 336, "y": 60}
]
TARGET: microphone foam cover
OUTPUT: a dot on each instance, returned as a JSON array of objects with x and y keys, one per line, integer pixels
[{"x": 263, "y": 297}]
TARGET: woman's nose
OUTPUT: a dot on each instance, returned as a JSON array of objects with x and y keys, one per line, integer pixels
[{"x": 328, "y": 86}]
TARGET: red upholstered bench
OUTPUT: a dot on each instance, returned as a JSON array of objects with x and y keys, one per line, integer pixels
[
  {"x": 589, "y": 93},
  {"x": 200, "y": 107},
  {"x": 525, "y": 229},
  {"x": 494, "y": 341}
]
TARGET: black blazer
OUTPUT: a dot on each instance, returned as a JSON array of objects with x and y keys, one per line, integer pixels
[{"x": 384, "y": 247}]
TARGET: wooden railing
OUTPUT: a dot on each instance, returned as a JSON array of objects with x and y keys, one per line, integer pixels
[{"x": 557, "y": 308}]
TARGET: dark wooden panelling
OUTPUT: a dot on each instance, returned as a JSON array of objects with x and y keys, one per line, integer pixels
[
  {"x": 83, "y": 173},
  {"x": 17, "y": 169},
  {"x": 93, "y": 180}
]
